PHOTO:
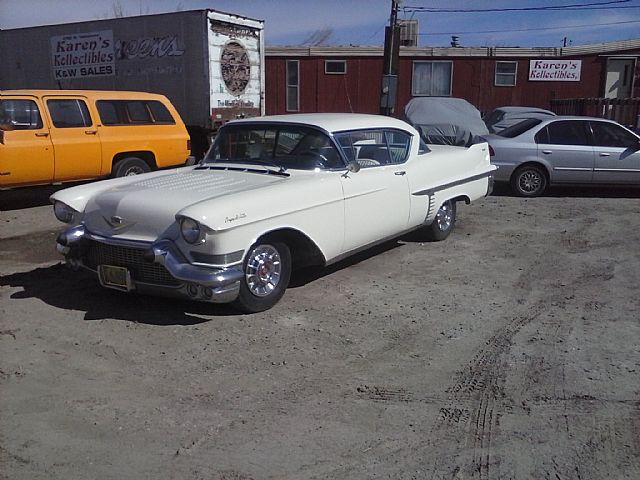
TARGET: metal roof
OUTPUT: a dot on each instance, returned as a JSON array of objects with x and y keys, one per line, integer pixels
[{"x": 378, "y": 51}]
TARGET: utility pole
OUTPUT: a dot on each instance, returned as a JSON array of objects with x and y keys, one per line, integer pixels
[{"x": 391, "y": 57}]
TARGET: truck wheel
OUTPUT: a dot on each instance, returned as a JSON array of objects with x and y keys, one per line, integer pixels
[
  {"x": 130, "y": 166},
  {"x": 267, "y": 270},
  {"x": 443, "y": 223}
]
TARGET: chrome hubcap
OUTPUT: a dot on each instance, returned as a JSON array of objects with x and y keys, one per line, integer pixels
[
  {"x": 133, "y": 171},
  {"x": 263, "y": 270},
  {"x": 444, "y": 217},
  {"x": 530, "y": 181}
]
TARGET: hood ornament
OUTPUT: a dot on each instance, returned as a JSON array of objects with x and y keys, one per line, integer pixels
[{"x": 116, "y": 222}]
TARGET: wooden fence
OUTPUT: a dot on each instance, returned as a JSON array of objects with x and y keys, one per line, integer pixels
[{"x": 623, "y": 110}]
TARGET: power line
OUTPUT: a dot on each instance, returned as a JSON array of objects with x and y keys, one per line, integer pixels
[
  {"x": 530, "y": 29},
  {"x": 612, "y": 4}
]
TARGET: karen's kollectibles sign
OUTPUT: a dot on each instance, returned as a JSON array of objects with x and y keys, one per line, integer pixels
[
  {"x": 83, "y": 55},
  {"x": 555, "y": 70}
]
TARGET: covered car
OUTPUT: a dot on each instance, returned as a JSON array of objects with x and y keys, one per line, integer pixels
[
  {"x": 446, "y": 121},
  {"x": 503, "y": 117}
]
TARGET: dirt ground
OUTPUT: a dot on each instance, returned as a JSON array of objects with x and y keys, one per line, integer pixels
[{"x": 509, "y": 351}]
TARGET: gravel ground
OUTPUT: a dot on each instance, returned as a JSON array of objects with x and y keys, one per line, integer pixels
[{"x": 509, "y": 351}]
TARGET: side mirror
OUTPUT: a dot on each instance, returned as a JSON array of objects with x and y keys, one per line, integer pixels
[{"x": 353, "y": 166}]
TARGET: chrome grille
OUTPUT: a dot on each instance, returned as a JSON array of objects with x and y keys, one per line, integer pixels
[{"x": 131, "y": 258}]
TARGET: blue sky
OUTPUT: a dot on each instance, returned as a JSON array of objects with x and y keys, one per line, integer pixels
[{"x": 362, "y": 22}]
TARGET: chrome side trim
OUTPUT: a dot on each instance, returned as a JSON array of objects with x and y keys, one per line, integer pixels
[
  {"x": 573, "y": 169},
  {"x": 431, "y": 191},
  {"x": 617, "y": 170}
]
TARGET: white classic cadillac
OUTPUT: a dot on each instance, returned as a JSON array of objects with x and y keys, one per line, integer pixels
[{"x": 273, "y": 194}]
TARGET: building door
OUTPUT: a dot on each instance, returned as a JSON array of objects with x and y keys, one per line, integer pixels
[{"x": 619, "y": 79}]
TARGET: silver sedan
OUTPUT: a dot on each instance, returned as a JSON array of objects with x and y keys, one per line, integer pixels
[{"x": 536, "y": 153}]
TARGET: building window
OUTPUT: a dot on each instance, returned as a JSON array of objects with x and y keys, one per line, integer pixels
[
  {"x": 293, "y": 85},
  {"x": 506, "y": 73},
  {"x": 335, "y": 67},
  {"x": 432, "y": 79}
]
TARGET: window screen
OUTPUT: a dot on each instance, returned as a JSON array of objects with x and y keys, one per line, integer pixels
[
  {"x": 432, "y": 79},
  {"x": 506, "y": 73}
]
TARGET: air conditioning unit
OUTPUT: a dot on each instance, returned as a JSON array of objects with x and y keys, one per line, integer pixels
[{"x": 408, "y": 33}]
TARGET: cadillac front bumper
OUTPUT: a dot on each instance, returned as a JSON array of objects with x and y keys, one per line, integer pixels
[{"x": 158, "y": 268}]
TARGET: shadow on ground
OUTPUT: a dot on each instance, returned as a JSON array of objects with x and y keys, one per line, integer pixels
[
  {"x": 502, "y": 190},
  {"x": 63, "y": 288}
]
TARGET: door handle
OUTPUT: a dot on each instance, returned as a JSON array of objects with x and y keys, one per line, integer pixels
[
  {"x": 547, "y": 152},
  {"x": 400, "y": 173},
  {"x": 604, "y": 154},
  {"x": 90, "y": 132},
  {"x": 42, "y": 134}
]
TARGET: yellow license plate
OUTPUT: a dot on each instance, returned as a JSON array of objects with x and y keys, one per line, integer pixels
[{"x": 115, "y": 277}]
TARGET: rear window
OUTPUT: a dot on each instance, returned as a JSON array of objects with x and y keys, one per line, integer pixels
[
  {"x": 519, "y": 128},
  {"x": 133, "y": 112}
]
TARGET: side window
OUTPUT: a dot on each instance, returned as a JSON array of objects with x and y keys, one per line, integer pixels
[
  {"x": 138, "y": 112},
  {"x": 69, "y": 113},
  {"x": 567, "y": 133},
  {"x": 399, "y": 144},
  {"x": 108, "y": 112},
  {"x": 160, "y": 113},
  {"x": 611, "y": 135},
  {"x": 293, "y": 86},
  {"x": 20, "y": 114},
  {"x": 368, "y": 147}
]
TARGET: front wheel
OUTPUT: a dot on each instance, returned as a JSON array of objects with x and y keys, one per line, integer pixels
[
  {"x": 267, "y": 270},
  {"x": 529, "y": 181},
  {"x": 443, "y": 223}
]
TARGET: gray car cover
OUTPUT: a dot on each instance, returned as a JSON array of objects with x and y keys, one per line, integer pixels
[{"x": 446, "y": 120}]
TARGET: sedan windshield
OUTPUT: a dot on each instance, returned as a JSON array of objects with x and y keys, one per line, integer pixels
[{"x": 280, "y": 146}]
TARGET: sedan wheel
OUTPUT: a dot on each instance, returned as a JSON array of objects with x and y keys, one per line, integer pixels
[
  {"x": 443, "y": 223},
  {"x": 529, "y": 181},
  {"x": 267, "y": 270}
]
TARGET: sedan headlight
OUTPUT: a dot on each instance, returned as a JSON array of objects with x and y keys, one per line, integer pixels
[
  {"x": 63, "y": 212},
  {"x": 190, "y": 230}
]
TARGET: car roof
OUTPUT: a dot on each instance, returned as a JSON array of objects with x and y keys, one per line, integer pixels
[
  {"x": 118, "y": 94},
  {"x": 333, "y": 122},
  {"x": 515, "y": 109}
]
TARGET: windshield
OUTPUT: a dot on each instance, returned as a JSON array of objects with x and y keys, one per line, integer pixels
[{"x": 281, "y": 146}]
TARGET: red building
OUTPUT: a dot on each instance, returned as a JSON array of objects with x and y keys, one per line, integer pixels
[{"x": 349, "y": 79}]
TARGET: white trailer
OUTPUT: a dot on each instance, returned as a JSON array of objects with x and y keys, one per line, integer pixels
[{"x": 210, "y": 64}]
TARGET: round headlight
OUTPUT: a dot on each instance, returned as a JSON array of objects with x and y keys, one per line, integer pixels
[
  {"x": 63, "y": 212},
  {"x": 190, "y": 230}
]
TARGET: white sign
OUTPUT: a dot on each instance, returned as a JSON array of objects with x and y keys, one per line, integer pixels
[
  {"x": 555, "y": 70},
  {"x": 83, "y": 55}
]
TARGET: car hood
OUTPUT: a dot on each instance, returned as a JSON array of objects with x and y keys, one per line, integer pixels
[{"x": 145, "y": 208}]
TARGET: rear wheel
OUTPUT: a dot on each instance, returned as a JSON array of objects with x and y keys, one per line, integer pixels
[
  {"x": 130, "y": 166},
  {"x": 443, "y": 223},
  {"x": 529, "y": 181},
  {"x": 267, "y": 270}
]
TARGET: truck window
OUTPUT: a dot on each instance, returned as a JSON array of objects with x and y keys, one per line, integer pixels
[
  {"x": 127, "y": 112},
  {"x": 138, "y": 112},
  {"x": 69, "y": 113},
  {"x": 160, "y": 112},
  {"x": 20, "y": 114}
]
